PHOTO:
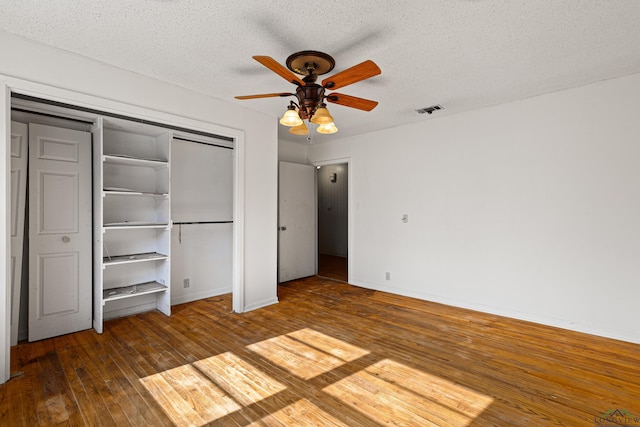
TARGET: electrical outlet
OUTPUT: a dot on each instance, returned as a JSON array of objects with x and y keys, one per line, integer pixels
[
  {"x": 387, "y": 275},
  {"x": 186, "y": 283}
]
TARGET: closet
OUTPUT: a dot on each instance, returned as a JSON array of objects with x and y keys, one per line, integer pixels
[
  {"x": 133, "y": 229},
  {"x": 131, "y": 219},
  {"x": 202, "y": 214}
]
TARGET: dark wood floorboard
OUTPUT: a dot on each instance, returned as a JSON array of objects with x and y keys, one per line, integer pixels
[
  {"x": 333, "y": 267},
  {"x": 328, "y": 354}
]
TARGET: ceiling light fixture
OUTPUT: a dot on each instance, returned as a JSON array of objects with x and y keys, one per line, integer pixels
[
  {"x": 291, "y": 116},
  {"x": 327, "y": 129},
  {"x": 314, "y": 111},
  {"x": 322, "y": 116},
  {"x": 299, "y": 130},
  {"x": 311, "y": 96}
]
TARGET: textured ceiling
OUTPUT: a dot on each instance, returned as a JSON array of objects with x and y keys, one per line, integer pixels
[{"x": 462, "y": 54}]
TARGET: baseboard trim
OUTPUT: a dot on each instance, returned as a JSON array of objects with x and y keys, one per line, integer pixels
[
  {"x": 199, "y": 295},
  {"x": 260, "y": 304},
  {"x": 628, "y": 336}
]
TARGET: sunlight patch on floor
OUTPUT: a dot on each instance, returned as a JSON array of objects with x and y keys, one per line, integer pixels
[
  {"x": 188, "y": 397},
  {"x": 209, "y": 389},
  {"x": 390, "y": 392},
  {"x": 384, "y": 392},
  {"x": 330, "y": 345},
  {"x": 244, "y": 382},
  {"x": 300, "y": 414},
  {"x": 307, "y": 353}
]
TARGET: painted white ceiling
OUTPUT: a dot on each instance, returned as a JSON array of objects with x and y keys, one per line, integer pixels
[{"x": 462, "y": 54}]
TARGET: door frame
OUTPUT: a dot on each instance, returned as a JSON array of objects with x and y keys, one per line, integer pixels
[
  {"x": 350, "y": 207},
  {"x": 9, "y": 85}
]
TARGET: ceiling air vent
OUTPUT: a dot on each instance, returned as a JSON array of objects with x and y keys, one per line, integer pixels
[{"x": 429, "y": 110}]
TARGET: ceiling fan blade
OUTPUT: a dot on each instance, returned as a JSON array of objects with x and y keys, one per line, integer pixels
[
  {"x": 352, "y": 101},
  {"x": 357, "y": 73},
  {"x": 279, "y": 69},
  {"x": 264, "y": 95}
]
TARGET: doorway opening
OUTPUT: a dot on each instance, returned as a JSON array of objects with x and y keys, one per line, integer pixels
[{"x": 333, "y": 213}]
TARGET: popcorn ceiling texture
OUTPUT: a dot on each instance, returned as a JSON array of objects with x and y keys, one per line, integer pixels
[{"x": 462, "y": 54}]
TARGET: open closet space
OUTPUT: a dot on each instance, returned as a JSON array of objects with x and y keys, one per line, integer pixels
[
  {"x": 202, "y": 214},
  {"x": 113, "y": 216}
]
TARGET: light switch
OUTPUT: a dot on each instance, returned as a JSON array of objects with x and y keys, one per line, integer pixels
[{"x": 405, "y": 218}]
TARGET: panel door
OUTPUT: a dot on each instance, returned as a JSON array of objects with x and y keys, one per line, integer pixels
[
  {"x": 60, "y": 220},
  {"x": 19, "y": 146},
  {"x": 297, "y": 218}
]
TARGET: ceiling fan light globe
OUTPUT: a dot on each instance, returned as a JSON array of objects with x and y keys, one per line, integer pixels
[
  {"x": 299, "y": 130},
  {"x": 291, "y": 118},
  {"x": 327, "y": 128},
  {"x": 321, "y": 117}
]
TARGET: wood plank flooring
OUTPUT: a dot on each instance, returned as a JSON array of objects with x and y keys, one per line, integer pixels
[
  {"x": 327, "y": 354},
  {"x": 332, "y": 267}
]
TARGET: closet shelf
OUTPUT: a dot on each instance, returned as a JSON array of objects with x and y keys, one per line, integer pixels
[
  {"x": 131, "y": 258},
  {"x": 132, "y": 219},
  {"x": 126, "y": 192},
  {"x": 132, "y": 161},
  {"x": 134, "y": 225},
  {"x": 132, "y": 291}
]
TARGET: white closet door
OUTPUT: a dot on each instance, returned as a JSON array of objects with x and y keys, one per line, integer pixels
[
  {"x": 60, "y": 221},
  {"x": 19, "y": 145}
]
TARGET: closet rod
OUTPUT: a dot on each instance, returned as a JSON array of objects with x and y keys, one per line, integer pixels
[
  {"x": 200, "y": 142},
  {"x": 203, "y": 222}
]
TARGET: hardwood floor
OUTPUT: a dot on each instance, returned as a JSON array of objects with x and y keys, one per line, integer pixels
[
  {"x": 327, "y": 354},
  {"x": 332, "y": 267}
]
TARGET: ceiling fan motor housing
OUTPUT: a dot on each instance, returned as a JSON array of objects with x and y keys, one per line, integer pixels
[{"x": 309, "y": 98}]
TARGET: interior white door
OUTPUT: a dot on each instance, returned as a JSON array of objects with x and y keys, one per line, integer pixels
[
  {"x": 19, "y": 146},
  {"x": 60, "y": 253},
  {"x": 297, "y": 245}
]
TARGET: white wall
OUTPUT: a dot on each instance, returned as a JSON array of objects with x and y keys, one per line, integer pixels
[
  {"x": 201, "y": 253},
  {"x": 529, "y": 209},
  {"x": 38, "y": 63},
  {"x": 292, "y": 152}
]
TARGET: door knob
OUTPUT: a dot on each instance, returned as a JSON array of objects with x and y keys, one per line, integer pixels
[
  {"x": 283, "y": 228},
  {"x": 66, "y": 239}
]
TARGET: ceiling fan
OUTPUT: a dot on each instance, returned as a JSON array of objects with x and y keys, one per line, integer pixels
[{"x": 310, "y": 95}]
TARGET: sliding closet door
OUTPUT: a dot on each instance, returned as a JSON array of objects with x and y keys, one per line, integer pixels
[
  {"x": 19, "y": 145},
  {"x": 60, "y": 221}
]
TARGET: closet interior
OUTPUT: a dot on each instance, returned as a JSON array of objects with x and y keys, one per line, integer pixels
[{"x": 140, "y": 174}]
